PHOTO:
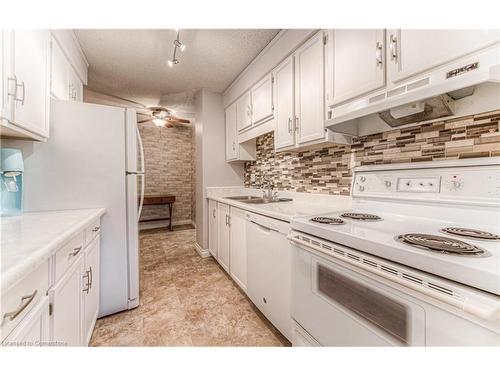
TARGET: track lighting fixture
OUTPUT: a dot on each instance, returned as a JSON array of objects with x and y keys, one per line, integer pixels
[{"x": 180, "y": 46}]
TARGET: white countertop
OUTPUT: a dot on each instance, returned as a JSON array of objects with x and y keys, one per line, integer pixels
[
  {"x": 30, "y": 239},
  {"x": 303, "y": 204}
]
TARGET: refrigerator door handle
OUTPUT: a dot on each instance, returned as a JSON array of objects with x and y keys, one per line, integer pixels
[{"x": 141, "y": 152}]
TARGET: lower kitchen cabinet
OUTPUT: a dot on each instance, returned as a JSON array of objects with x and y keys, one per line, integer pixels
[
  {"x": 212, "y": 227},
  {"x": 238, "y": 247},
  {"x": 66, "y": 301},
  {"x": 223, "y": 235},
  {"x": 33, "y": 329},
  {"x": 90, "y": 289}
]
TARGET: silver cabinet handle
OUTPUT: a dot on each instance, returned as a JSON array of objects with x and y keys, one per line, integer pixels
[
  {"x": 297, "y": 124},
  {"x": 289, "y": 125},
  {"x": 378, "y": 54},
  {"x": 14, "y": 94},
  {"x": 226, "y": 219},
  {"x": 394, "y": 48},
  {"x": 76, "y": 251},
  {"x": 25, "y": 301},
  {"x": 96, "y": 229},
  {"x": 91, "y": 281},
  {"x": 87, "y": 287},
  {"x": 213, "y": 213},
  {"x": 234, "y": 146},
  {"x": 24, "y": 92}
]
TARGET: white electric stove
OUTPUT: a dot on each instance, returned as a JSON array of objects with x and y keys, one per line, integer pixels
[{"x": 420, "y": 241}]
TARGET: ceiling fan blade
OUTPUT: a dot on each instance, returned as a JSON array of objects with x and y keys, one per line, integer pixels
[
  {"x": 143, "y": 121},
  {"x": 180, "y": 120}
]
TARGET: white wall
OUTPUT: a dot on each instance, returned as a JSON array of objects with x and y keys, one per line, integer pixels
[{"x": 210, "y": 162}]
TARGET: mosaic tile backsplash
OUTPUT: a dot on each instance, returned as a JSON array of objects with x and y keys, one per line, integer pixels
[{"x": 329, "y": 170}]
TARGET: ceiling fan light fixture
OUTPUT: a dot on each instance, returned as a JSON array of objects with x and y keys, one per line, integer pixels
[
  {"x": 179, "y": 45},
  {"x": 173, "y": 62},
  {"x": 159, "y": 122}
]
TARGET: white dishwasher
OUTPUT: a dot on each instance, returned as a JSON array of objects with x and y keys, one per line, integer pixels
[{"x": 269, "y": 256}]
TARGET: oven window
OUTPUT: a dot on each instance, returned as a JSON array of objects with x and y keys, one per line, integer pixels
[{"x": 380, "y": 310}]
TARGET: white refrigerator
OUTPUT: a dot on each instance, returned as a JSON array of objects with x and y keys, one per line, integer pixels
[{"x": 91, "y": 160}]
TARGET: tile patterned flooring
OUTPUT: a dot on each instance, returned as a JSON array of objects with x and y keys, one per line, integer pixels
[{"x": 186, "y": 300}]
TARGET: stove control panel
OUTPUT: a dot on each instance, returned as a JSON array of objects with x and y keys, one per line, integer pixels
[{"x": 419, "y": 184}]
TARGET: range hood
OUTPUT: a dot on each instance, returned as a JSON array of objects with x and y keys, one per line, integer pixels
[{"x": 427, "y": 95}]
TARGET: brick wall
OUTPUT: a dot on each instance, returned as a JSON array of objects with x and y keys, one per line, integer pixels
[
  {"x": 329, "y": 170},
  {"x": 168, "y": 154}
]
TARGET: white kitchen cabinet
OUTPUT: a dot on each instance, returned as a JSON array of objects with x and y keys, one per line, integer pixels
[
  {"x": 224, "y": 236},
  {"x": 238, "y": 247},
  {"x": 236, "y": 151},
  {"x": 356, "y": 58},
  {"x": 284, "y": 99},
  {"x": 410, "y": 52},
  {"x": 67, "y": 312},
  {"x": 5, "y": 73},
  {"x": 231, "y": 133},
  {"x": 28, "y": 56},
  {"x": 309, "y": 90},
  {"x": 244, "y": 112},
  {"x": 33, "y": 330},
  {"x": 213, "y": 218},
  {"x": 59, "y": 78},
  {"x": 75, "y": 86},
  {"x": 90, "y": 289},
  {"x": 262, "y": 100}
]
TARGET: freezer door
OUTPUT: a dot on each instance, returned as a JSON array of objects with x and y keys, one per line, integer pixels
[{"x": 133, "y": 240}]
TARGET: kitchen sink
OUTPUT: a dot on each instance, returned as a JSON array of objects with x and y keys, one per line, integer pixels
[{"x": 258, "y": 200}]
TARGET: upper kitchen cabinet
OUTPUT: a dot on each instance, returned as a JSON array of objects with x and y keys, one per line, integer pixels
[
  {"x": 234, "y": 150},
  {"x": 244, "y": 112},
  {"x": 411, "y": 52},
  {"x": 25, "y": 72},
  {"x": 354, "y": 62},
  {"x": 262, "y": 107},
  {"x": 309, "y": 90},
  {"x": 59, "y": 77},
  {"x": 284, "y": 99}
]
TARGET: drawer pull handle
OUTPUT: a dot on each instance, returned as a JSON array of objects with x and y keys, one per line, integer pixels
[
  {"x": 91, "y": 281},
  {"x": 25, "y": 301},
  {"x": 76, "y": 251},
  {"x": 87, "y": 286},
  {"x": 96, "y": 229}
]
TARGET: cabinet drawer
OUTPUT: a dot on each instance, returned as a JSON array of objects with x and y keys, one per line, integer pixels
[
  {"x": 18, "y": 301},
  {"x": 92, "y": 231},
  {"x": 67, "y": 255}
]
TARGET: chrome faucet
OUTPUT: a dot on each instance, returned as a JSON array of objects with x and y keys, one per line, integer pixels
[{"x": 268, "y": 192}]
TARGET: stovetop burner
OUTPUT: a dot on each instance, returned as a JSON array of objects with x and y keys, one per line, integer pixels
[
  {"x": 471, "y": 233},
  {"x": 360, "y": 216},
  {"x": 444, "y": 245},
  {"x": 328, "y": 220}
]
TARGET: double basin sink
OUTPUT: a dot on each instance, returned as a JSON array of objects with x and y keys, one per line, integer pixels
[{"x": 257, "y": 200}]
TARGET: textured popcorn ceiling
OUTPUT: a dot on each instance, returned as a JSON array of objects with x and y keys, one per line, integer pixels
[{"x": 133, "y": 63}]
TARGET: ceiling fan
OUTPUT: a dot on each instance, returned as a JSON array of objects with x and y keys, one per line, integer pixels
[{"x": 162, "y": 116}]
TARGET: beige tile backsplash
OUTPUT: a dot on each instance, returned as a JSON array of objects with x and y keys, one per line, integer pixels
[{"x": 329, "y": 170}]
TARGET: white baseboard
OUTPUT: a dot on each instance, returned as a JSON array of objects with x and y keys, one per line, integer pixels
[
  {"x": 163, "y": 224},
  {"x": 204, "y": 253}
]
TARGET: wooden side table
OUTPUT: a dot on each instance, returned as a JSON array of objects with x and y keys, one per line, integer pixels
[{"x": 153, "y": 200}]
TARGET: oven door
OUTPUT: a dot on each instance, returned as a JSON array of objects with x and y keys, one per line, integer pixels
[{"x": 341, "y": 306}]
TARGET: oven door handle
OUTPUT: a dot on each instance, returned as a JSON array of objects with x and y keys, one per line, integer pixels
[{"x": 474, "y": 307}]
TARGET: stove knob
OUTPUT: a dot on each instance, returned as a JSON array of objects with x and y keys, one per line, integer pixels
[
  {"x": 362, "y": 178},
  {"x": 387, "y": 184},
  {"x": 361, "y": 188}
]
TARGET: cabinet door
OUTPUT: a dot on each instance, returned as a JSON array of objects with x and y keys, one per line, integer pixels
[
  {"x": 33, "y": 330},
  {"x": 262, "y": 100},
  {"x": 59, "y": 82},
  {"x": 66, "y": 298},
  {"x": 223, "y": 236},
  {"x": 6, "y": 86},
  {"x": 75, "y": 86},
  {"x": 244, "y": 112},
  {"x": 231, "y": 133},
  {"x": 309, "y": 87},
  {"x": 90, "y": 289},
  {"x": 413, "y": 51},
  {"x": 30, "y": 65},
  {"x": 212, "y": 227},
  {"x": 358, "y": 63},
  {"x": 238, "y": 242},
  {"x": 284, "y": 99}
]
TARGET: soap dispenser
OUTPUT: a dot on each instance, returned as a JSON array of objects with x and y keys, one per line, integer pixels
[{"x": 11, "y": 181}]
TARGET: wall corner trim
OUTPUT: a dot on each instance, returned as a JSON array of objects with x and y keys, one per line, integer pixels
[{"x": 204, "y": 253}]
